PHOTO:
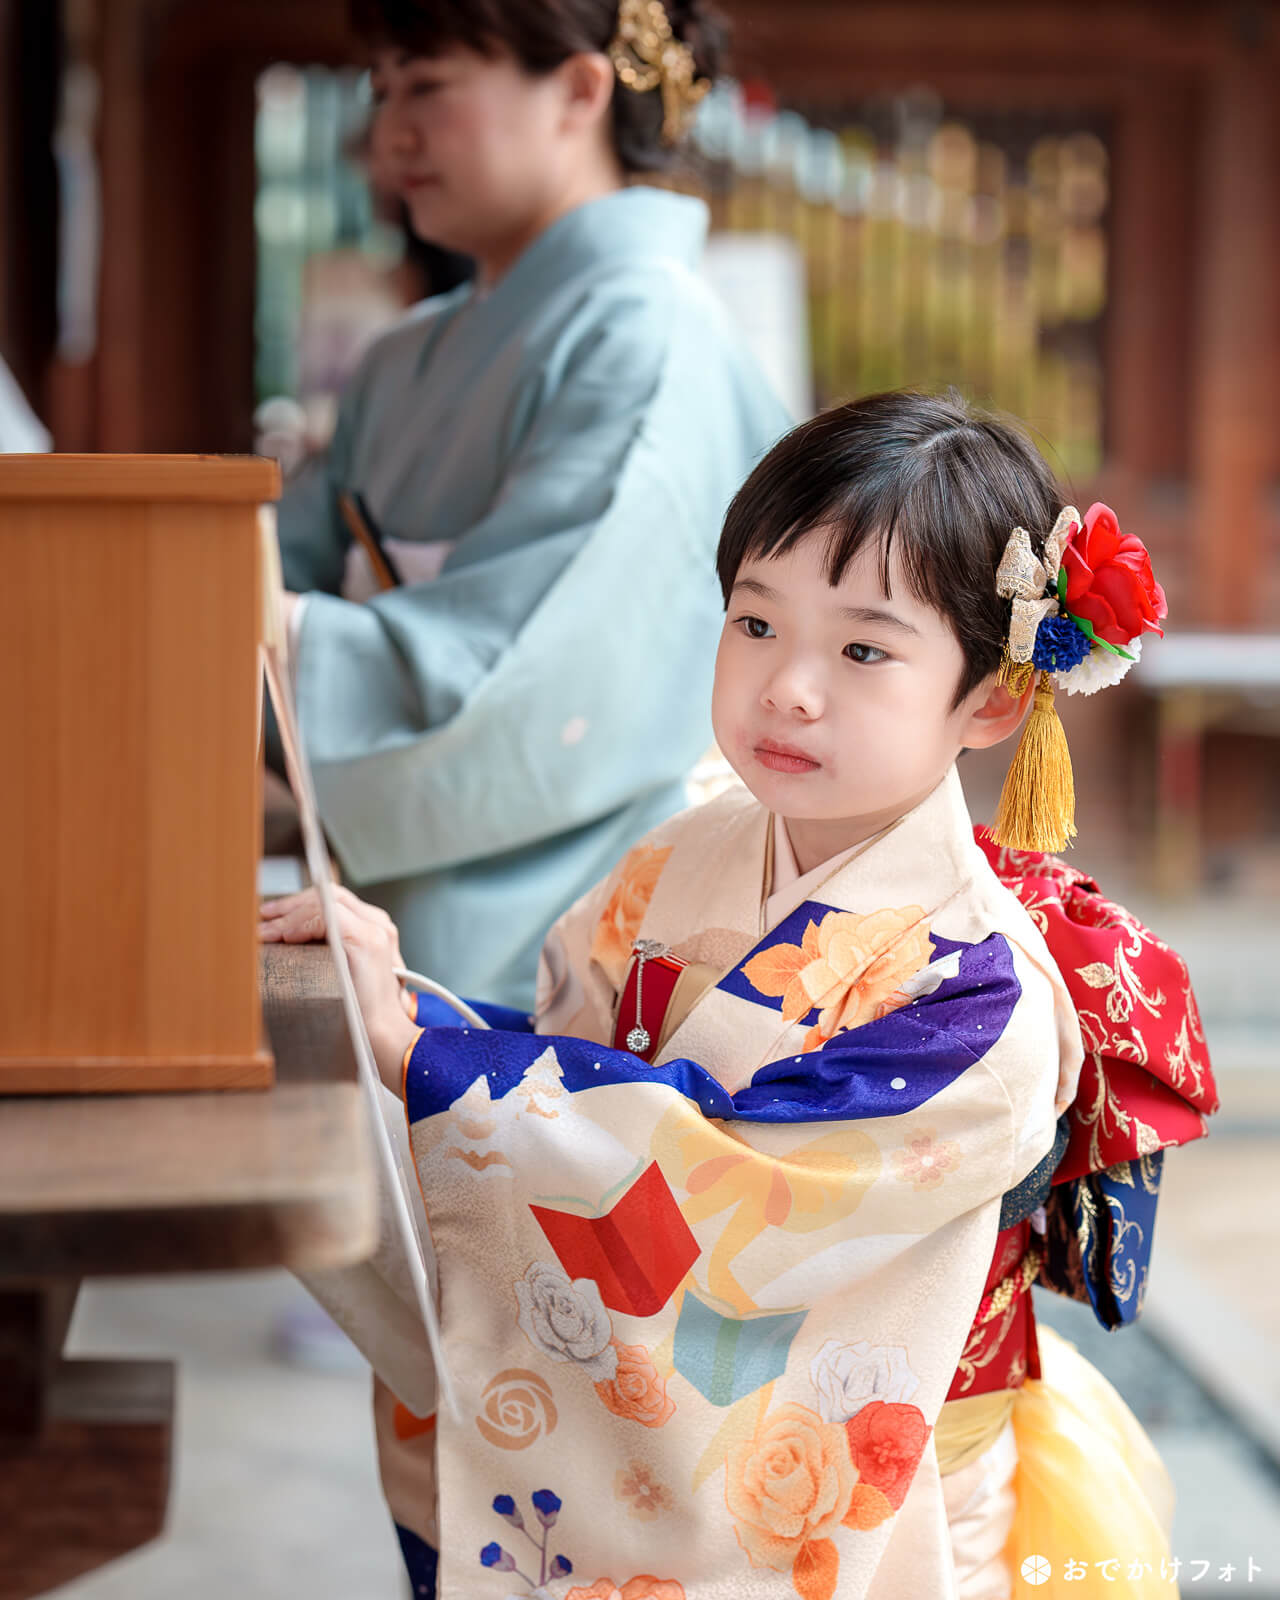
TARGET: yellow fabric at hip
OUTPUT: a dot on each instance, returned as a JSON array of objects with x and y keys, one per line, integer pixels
[
  {"x": 968, "y": 1427},
  {"x": 1093, "y": 1498}
]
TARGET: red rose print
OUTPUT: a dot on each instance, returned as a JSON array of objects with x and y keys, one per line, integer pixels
[{"x": 886, "y": 1440}]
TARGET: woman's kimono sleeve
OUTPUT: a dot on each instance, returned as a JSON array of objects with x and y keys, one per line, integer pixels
[
  {"x": 483, "y": 712},
  {"x": 716, "y": 1328}
]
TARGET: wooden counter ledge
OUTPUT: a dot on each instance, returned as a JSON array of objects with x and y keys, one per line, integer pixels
[
  {"x": 148, "y": 1183},
  {"x": 96, "y": 1185}
]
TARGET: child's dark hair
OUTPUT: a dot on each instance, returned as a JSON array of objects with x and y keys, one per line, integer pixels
[
  {"x": 540, "y": 34},
  {"x": 927, "y": 476}
]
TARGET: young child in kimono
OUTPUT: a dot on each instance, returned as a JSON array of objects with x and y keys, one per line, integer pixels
[{"x": 712, "y": 1227}]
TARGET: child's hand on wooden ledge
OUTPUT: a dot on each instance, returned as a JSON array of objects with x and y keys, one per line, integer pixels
[{"x": 372, "y": 944}]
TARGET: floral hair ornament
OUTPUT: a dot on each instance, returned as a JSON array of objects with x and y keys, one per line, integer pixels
[
  {"x": 1079, "y": 613},
  {"x": 647, "y": 55}
]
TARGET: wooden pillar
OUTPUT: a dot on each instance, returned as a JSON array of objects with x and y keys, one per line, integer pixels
[
  {"x": 8, "y": 58},
  {"x": 122, "y": 304},
  {"x": 1148, "y": 321},
  {"x": 29, "y": 50},
  {"x": 1237, "y": 230}
]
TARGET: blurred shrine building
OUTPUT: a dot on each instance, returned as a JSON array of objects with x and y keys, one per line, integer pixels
[{"x": 1070, "y": 211}]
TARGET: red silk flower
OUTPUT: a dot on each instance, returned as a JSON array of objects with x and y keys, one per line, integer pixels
[{"x": 1109, "y": 579}]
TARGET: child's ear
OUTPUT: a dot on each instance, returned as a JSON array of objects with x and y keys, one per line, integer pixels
[{"x": 995, "y": 712}]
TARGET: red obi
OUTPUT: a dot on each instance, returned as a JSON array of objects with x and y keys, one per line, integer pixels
[
  {"x": 1146, "y": 1083},
  {"x": 1001, "y": 1351}
]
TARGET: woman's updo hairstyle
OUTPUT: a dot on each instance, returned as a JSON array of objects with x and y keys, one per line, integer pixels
[{"x": 540, "y": 34}]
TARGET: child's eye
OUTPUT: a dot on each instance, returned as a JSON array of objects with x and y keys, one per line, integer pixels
[
  {"x": 754, "y": 627},
  {"x": 865, "y": 654}
]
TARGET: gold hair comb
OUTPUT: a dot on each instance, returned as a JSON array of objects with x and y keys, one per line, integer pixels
[{"x": 647, "y": 55}]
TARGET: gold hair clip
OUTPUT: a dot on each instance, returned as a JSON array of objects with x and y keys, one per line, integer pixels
[{"x": 647, "y": 55}]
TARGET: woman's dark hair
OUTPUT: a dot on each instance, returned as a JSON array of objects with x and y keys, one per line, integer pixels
[
  {"x": 927, "y": 476},
  {"x": 540, "y": 34}
]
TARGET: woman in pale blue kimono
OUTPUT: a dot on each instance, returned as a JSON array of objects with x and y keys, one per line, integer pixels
[{"x": 546, "y": 454}]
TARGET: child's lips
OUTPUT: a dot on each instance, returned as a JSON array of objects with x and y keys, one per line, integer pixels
[{"x": 784, "y": 757}]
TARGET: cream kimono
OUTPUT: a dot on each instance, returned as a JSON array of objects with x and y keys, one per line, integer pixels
[{"x": 702, "y": 1313}]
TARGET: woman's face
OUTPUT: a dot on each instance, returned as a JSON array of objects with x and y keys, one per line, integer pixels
[{"x": 477, "y": 147}]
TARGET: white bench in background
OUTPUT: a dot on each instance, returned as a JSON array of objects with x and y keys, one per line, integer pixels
[{"x": 1199, "y": 681}]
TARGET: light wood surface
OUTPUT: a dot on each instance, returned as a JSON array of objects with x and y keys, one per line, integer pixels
[
  {"x": 129, "y": 688},
  {"x": 189, "y": 1182},
  {"x": 175, "y": 480}
]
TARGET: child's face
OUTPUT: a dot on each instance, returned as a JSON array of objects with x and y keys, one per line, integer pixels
[{"x": 834, "y": 705}]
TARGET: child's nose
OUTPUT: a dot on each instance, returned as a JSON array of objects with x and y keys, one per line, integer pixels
[{"x": 794, "y": 690}]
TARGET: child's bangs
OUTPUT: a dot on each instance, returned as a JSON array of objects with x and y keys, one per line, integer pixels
[{"x": 866, "y": 517}]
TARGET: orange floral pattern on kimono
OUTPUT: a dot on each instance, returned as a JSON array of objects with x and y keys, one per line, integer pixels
[
  {"x": 645, "y": 1497},
  {"x": 642, "y": 1588},
  {"x": 636, "y": 1392},
  {"x": 788, "y": 1485},
  {"x": 849, "y": 965},
  {"x": 621, "y": 918},
  {"x": 799, "y": 1478},
  {"x": 925, "y": 1159}
]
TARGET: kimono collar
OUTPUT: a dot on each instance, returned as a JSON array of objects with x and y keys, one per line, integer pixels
[
  {"x": 627, "y": 224},
  {"x": 901, "y": 880},
  {"x": 626, "y": 227},
  {"x": 925, "y": 857},
  {"x": 631, "y": 225}
]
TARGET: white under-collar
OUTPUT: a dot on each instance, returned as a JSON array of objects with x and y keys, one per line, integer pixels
[{"x": 790, "y": 887}]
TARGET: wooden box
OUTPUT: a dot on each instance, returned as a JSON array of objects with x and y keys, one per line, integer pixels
[{"x": 130, "y": 797}]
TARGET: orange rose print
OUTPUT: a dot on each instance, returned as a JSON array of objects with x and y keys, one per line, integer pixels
[
  {"x": 789, "y": 1485},
  {"x": 517, "y": 1410},
  {"x": 925, "y": 1159},
  {"x": 636, "y": 1391},
  {"x": 886, "y": 1440},
  {"x": 635, "y": 1483},
  {"x": 644, "y": 1588},
  {"x": 848, "y": 965},
  {"x": 620, "y": 920}
]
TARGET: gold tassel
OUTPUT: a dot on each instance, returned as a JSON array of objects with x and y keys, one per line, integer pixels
[
  {"x": 1015, "y": 675},
  {"x": 1037, "y": 808}
]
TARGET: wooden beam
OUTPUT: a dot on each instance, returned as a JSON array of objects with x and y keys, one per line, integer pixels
[
  {"x": 298, "y": 31},
  {"x": 816, "y": 45}
]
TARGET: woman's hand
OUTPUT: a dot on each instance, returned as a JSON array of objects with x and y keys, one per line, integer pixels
[{"x": 373, "y": 952}]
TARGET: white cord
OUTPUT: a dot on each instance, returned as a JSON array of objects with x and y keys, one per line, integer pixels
[
  {"x": 387, "y": 1155},
  {"x": 415, "y": 980}
]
